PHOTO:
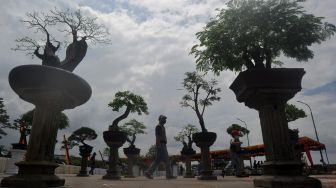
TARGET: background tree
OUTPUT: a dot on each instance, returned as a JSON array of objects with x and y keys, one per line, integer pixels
[
  {"x": 133, "y": 103},
  {"x": 201, "y": 93},
  {"x": 186, "y": 133},
  {"x": 25, "y": 122},
  {"x": 293, "y": 113},
  {"x": 73, "y": 23},
  {"x": 242, "y": 130},
  {"x": 253, "y": 33},
  {"x": 4, "y": 118},
  {"x": 132, "y": 128},
  {"x": 151, "y": 152}
]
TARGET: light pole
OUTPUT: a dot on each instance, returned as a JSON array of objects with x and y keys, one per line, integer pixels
[
  {"x": 317, "y": 138},
  {"x": 248, "y": 140}
]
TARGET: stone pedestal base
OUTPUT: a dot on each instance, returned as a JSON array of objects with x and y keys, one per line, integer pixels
[
  {"x": 34, "y": 174},
  {"x": 207, "y": 175},
  {"x": 112, "y": 175},
  {"x": 17, "y": 156},
  {"x": 287, "y": 182}
]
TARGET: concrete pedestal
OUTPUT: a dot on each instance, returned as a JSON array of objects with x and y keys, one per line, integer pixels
[{"x": 17, "y": 156}]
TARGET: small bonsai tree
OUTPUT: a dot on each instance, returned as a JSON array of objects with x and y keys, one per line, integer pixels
[
  {"x": 293, "y": 113},
  {"x": 195, "y": 84},
  {"x": 80, "y": 27},
  {"x": 80, "y": 135},
  {"x": 4, "y": 118},
  {"x": 184, "y": 134},
  {"x": 242, "y": 130},
  {"x": 133, "y": 128},
  {"x": 133, "y": 103},
  {"x": 253, "y": 33}
]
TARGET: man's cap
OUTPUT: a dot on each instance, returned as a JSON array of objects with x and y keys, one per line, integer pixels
[{"x": 162, "y": 117}]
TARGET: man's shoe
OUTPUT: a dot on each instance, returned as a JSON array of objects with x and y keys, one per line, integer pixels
[
  {"x": 170, "y": 177},
  {"x": 148, "y": 176}
]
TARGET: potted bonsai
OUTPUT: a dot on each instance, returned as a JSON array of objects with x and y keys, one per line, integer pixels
[
  {"x": 132, "y": 128},
  {"x": 249, "y": 35},
  {"x": 78, "y": 137},
  {"x": 187, "y": 150},
  {"x": 114, "y": 137},
  {"x": 52, "y": 87},
  {"x": 200, "y": 94}
]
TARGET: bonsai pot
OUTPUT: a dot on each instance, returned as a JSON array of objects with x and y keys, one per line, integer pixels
[
  {"x": 188, "y": 151},
  {"x": 114, "y": 139},
  {"x": 204, "y": 140},
  {"x": 19, "y": 146},
  {"x": 268, "y": 90},
  {"x": 131, "y": 150},
  {"x": 51, "y": 90},
  {"x": 85, "y": 150}
]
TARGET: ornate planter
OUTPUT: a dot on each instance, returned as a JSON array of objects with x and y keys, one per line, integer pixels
[
  {"x": 114, "y": 139},
  {"x": 204, "y": 140},
  {"x": 267, "y": 90},
  {"x": 84, "y": 151},
  {"x": 51, "y": 90},
  {"x": 131, "y": 152},
  {"x": 188, "y": 153}
]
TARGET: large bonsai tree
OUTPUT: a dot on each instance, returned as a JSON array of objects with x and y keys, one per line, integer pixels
[
  {"x": 201, "y": 93},
  {"x": 4, "y": 118},
  {"x": 253, "y": 33},
  {"x": 133, "y": 103},
  {"x": 133, "y": 128},
  {"x": 80, "y": 27},
  {"x": 184, "y": 134}
]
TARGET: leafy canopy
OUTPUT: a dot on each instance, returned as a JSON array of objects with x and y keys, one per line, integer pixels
[
  {"x": 133, "y": 128},
  {"x": 4, "y": 118},
  {"x": 126, "y": 98},
  {"x": 80, "y": 135},
  {"x": 252, "y": 33},
  {"x": 201, "y": 93},
  {"x": 242, "y": 130},
  {"x": 293, "y": 113},
  {"x": 186, "y": 133}
]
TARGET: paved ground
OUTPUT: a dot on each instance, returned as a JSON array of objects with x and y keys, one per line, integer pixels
[{"x": 96, "y": 181}]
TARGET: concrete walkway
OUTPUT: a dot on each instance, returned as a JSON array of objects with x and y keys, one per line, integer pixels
[{"x": 96, "y": 181}]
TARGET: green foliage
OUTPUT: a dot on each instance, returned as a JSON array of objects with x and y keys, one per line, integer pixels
[
  {"x": 242, "y": 130},
  {"x": 4, "y": 118},
  {"x": 293, "y": 113},
  {"x": 201, "y": 93},
  {"x": 133, "y": 128},
  {"x": 252, "y": 33},
  {"x": 186, "y": 133},
  {"x": 151, "y": 152},
  {"x": 126, "y": 98},
  {"x": 133, "y": 103},
  {"x": 80, "y": 135}
]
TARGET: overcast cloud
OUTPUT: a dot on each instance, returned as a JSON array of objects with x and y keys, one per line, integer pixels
[{"x": 151, "y": 41}]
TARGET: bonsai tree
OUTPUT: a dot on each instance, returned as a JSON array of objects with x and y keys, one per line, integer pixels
[
  {"x": 116, "y": 138},
  {"x": 133, "y": 103},
  {"x": 133, "y": 128},
  {"x": 195, "y": 84},
  {"x": 78, "y": 137},
  {"x": 4, "y": 118},
  {"x": 253, "y": 33},
  {"x": 187, "y": 149},
  {"x": 184, "y": 134},
  {"x": 25, "y": 122},
  {"x": 201, "y": 93},
  {"x": 73, "y": 23},
  {"x": 242, "y": 130}
]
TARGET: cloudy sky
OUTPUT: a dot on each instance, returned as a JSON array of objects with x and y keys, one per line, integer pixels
[{"x": 151, "y": 41}]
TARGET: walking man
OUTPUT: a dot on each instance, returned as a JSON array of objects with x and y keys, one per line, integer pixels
[{"x": 161, "y": 150}]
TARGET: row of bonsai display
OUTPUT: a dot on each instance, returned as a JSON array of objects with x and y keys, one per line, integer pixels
[{"x": 236, "y": 39}]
